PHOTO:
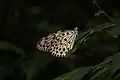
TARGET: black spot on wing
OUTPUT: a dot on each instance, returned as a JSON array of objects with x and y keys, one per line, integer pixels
[
  {"x": 43, "y": 45},
  {"x": 61, "y": 52},
  {"x": 63, "y": 34},
  {"x": 69, "y": 42},
  {"x": 63, "y": 49},
  {"x": 65, "y": 39},
  {"x": 67, "y": 33}
]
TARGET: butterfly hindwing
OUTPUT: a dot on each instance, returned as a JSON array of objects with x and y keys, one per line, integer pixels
[{"x": 45, "y": 43}]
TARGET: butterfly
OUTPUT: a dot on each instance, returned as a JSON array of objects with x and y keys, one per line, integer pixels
[{"x": 59, "y": 43}]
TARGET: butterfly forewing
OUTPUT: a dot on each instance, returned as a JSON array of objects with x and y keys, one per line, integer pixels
[
  {"x": 39, "y": 44},
  {"x": 58, "y": 43},
  {"x": 60, "y": 51},
  {"x": 71, "y": 41}
]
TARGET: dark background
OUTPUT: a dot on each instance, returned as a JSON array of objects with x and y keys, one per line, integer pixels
[{"x": 23, "y": 23}]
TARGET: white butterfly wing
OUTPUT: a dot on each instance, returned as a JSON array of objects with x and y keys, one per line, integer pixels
[{"x": 58, "y": 43}]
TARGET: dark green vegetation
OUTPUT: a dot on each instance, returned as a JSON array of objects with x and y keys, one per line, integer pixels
[{"x": 96, "y": 53}]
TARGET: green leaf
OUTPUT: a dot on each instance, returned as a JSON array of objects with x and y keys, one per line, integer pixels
[
  {"x": 102, "y": 68},
  {"x": 4, "y": 45},
  {"x": 77, "y": 74},
  {"x": 117, "y": 77},
  {"x": 107, "y": 61},
  {"x": 24, "y": 65},
  {"x": 100, "y": 78},
  {"x": 100, "y": 72},
  {"x": 10, "y": 70},
  {"x": 115, "y": 63},
  {"x": 82, "y": 36},
  {"x": 40, "y": 61},
  {"x": 6, "y": 72},
  {"x": 115, "y": 31}
]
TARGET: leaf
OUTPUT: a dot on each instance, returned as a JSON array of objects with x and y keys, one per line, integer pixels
[
  {"x": 24, "y": 65},
  {"x": 77, "y": 74},
  {"x": 100, "y": 72},
  {"x": 117, "y": 77},
  {"x": 115, "y": 31},
  {"x": 115, "y": 63},
  {"x": 4, "y": 45},
  {"x": 83, "y": 35},
  {"x": 100, "y": 78},
  {"x": 40, "y": 61},
  {"x": 102, "y": 68},
  {"x": 107, "y": 61},
  {"x": 5, "y": 72},
  {"x": 10, "y": 70}
]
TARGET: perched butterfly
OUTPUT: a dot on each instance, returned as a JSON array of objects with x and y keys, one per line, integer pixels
[{"x": 59, "y": 43}]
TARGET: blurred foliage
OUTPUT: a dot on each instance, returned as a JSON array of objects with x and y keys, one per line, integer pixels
[{"x": 96, "y": 52}]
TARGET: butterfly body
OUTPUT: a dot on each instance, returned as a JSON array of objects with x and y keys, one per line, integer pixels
[{"x": 58, "y": 43}]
